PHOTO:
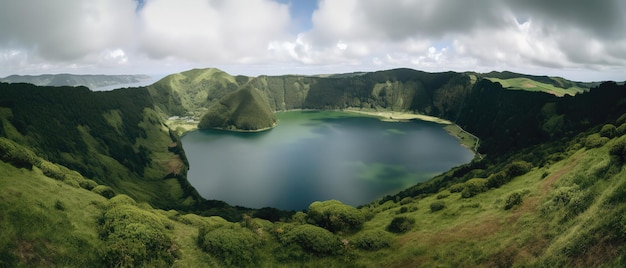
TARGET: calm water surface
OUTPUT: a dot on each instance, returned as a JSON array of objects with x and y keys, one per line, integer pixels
[{"x": 318, "y": 155}]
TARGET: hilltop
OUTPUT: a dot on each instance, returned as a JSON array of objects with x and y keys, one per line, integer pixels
[
  {"x": 99, "y": 178},
  {"x": 242, "y": 110}
]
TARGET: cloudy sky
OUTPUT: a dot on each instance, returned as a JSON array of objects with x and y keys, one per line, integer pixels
[{"x": 578, "y": 39}]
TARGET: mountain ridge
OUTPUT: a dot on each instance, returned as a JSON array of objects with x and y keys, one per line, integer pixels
[{"x": 92, "y": 81}]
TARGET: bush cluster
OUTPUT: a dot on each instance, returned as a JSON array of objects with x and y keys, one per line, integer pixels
[
  {"x": 595, "y": 141},
  {"x": 400, "y": 225},
  {"x": 474, "y": 187},
  {"x": 437, "y": 206},
  {"x": 231, "y": 244},
  {"x": 443, "y": 194},
  {"x": 608, "y": 131},
  {"x": 335, "y": 216},
  {"x": 134, "y": 238},
  {"x": 510, "y": 171},
  {"x": 619, "y": 150},
  {"x": 372, "y": 240},
  {"x": 312, "y": 239},
  {"x": 512, "y": 200},
  {"x": 103, "y": 190}
]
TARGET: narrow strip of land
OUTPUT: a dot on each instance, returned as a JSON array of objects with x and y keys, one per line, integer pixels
[{"x": 401, "y": 116}]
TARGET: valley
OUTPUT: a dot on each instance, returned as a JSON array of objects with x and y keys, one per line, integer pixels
[{"x": 101, "y": 178}]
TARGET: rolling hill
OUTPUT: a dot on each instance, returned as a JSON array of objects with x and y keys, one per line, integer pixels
[{"x": 99, "y": 178}]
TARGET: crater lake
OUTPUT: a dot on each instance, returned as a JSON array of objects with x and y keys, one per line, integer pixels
[{"x": 319, "y": 155}]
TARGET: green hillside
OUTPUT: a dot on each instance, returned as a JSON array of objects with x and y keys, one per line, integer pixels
[
  {"x": 115, "y": 138},
  {"x": 98, "y": 179},
  {"x": 242, "y": 110}
]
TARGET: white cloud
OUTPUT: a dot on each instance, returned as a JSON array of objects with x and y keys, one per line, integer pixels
[
  {"x": 212, "y": 31},
  {"x": 116, "y": 56},
  {"x": 560, "y": 36}
]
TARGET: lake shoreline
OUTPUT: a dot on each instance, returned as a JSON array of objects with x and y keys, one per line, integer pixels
[
  {"x": 183, "y": 127},
  {"x": 319, "y": 155}
]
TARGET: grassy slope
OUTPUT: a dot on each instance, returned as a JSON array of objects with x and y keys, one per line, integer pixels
[
  {"x": 114, "y": 138},
  {"x": 568, "y": 217},
  {"x": 478, "y": 231},
  {"x": 532, "y": 85}
]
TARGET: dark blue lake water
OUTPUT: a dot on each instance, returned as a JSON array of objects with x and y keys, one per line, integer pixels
[{"x": 318, "y": 155}]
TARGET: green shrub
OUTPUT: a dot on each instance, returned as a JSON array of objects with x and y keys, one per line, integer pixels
[
  {"x": 372, "y": 240},
  {"x": 618, "y": 149},
  {"x": 595, "y": 141},
  {"x": 497, "y": 179},
  {"x": 405, "y": 209},
  {"x": 312, "y": 239},
  {"x": 437, "y": 206},
  {"x": 134, "y": 237},
  {"x": 406, "y": 200},
  {"x": 16, "y": 154},
  {"x": 335, "y": 216},
  {"x": 121, "y": 199},
  {"x": 233, "y": 245},
  {"x": 443, "y": 194},
  {"x": 104, "y": 190},
  {"x": 400, "y": 225},
  {"x": 512, "y": 200},
  {"x": 518, "y": 168},
  {"x": 456, "y": 188},
  {"x": 561, "y": 198},
  {"x": 88, "y": 184},
  {"x": 474, "y": 187},
  {"x": 299, "y": 217},
  {"x": 59, "y": 205},
  {"x": 608, "y": 131}
]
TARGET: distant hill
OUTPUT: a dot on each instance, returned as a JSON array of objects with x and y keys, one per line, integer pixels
[
  {"x": 91, "y": 81},
  {"x": 243, "y": 110},
  {"x": 557, "y": 86}
]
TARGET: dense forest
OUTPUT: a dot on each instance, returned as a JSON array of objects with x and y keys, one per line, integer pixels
[{"x": 99, "y": 178}]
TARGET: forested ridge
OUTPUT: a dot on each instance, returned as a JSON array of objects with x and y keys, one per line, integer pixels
[{"x": 101, "y": 177}]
